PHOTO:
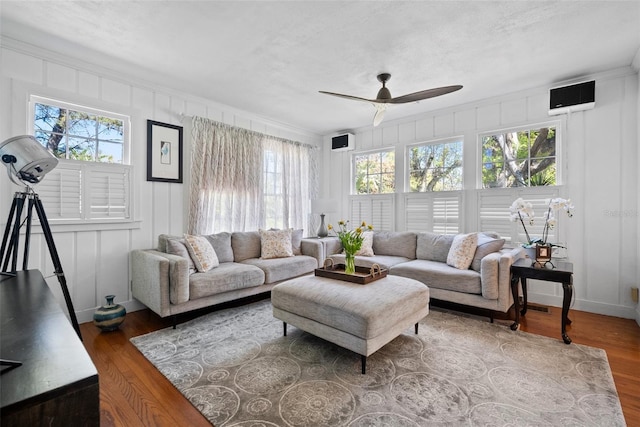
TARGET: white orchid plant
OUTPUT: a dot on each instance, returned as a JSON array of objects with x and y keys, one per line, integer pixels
[{"x": 521, "y": 210}]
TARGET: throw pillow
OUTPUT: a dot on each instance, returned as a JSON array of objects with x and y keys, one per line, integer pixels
[
  {"x": 275, "y": 244},
  {"x": 178, "y": 247},
  {"x": 367, "y": 244},
  {"x": 202, "y": 253},
  {"x": 486, "y": 245},
  {"x": 462, "y": 250}
]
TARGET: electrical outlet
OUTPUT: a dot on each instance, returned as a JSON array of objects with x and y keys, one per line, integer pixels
[{"x": 634, "y": 295}]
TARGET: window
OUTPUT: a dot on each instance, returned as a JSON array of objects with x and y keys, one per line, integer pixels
[
  {"x": 374, "y": 173},
  {"x": 519, "y": 158},
  {"x": 92, "y": 182},
  {"x": 77, "y": 133},
  {"x": 273, "y": 197},
  {"x": 435, "y": 167}
]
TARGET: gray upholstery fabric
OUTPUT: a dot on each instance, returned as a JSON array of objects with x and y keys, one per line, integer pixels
[
  {"x": 489, "y": 275},
  {"x": 439, "y": 275},
  {"x": 177, "y": 247},
  {"x": 384, "y": 261},
  {"x": 162, "y": 241},
  {"x": 245, "y": 245},
  {"x": 402, "y": 244},
  {"x": 364, "y": 311},
  {"x": 221, "y": 243},
  {"x": 486, "y": 246},
  {"x": 227, "y": 276},
  {"x": 296, "y": 241},
  {"x": 433, "y": 246},
  {"x": 276, "y": 269}
]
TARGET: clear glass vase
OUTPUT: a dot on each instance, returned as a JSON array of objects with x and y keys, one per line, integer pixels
[{"x": 349, "y": 263}]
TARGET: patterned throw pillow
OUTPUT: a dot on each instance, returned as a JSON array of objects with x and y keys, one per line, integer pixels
[
  {"x": 367, "y": 244},
  {"x": 275, "y": 244},
  {"x": 462, "y": 250},
  {"x": 202, "y": 253}
]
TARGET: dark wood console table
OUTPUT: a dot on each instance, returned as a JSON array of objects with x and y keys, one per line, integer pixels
[
  {"x": 522, "y": 270},
  {"x": 57, "y": 383}
]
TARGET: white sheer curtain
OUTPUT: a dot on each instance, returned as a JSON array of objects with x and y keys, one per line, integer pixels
[{"x": 243, "y": 180}]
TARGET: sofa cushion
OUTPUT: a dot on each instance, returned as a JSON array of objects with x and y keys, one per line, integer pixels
[
  {"x": 296, "y": 241},
  {"x": 277, "y": 269},
  {"x": 384, "y": 261},
  {"x": 462, "y": 250},
  {"x": 162, "y": 241},
  {"x": 178, "y": 247},
  {"x": 202, "y": 253},
  {"x": 367, "y": 244},
  {"x": 221, "y": 243},
  {"x": 402, "y": 244},
  {"x": 245, "y": 245},
  {"x": 439, "y": 275},
  {"x": 433, "y": 246},
  {"x": 228, "y": 276},
  {"x": 486, "y": 245}
]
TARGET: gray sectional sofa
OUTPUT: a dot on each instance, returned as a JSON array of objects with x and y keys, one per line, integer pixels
[
  {"x": 423, "y": 257},
  {"x": 165, "y": 280}
]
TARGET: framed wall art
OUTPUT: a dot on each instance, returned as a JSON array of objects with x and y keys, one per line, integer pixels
[{"x": 164, "y": 152}]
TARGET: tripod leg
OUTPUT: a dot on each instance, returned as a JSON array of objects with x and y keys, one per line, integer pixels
[
  {"x": 27, "y": 236},
  {"x": 7, "y": 231},
  {"x": 15, "y": 235},
  {"x": 56, "y": 262}
]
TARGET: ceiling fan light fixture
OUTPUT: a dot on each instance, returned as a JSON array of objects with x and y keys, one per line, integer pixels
[{"x": 381, "y": 108}]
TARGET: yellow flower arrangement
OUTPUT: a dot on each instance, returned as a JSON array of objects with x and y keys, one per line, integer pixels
[{"x": 351, "y": 241}]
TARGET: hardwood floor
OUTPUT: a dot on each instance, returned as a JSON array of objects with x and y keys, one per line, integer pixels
[{"x": 134, "y": 393}]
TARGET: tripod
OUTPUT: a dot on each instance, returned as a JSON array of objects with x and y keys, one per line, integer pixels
[{"x": 12, "y": 237}]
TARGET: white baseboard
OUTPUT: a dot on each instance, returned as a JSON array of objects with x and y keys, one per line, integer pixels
[
  {"x": 85, "y": 316},
  {"x": 626, "y": 312}
]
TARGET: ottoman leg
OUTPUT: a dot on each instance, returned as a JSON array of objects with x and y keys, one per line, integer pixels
[
  {"x": 284, "y": 328},
  {"x": 416, "y": 329},
  {"x": 363, "y": 361}
]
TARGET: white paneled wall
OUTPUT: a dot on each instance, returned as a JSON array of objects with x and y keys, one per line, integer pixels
[
  {"x": 599, "y": 155},
  {"x": 95, "y": 260}
]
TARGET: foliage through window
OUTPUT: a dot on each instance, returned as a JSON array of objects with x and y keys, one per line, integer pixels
[
  {"x": 77, "y": 133},
  {"x": 522, "y": 158},
  {"x": 435, "y": 167},
  {"x": 374, "y": 173}
]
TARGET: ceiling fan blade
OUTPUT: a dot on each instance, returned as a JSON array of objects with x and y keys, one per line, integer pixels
[
  {"x": 355, "y": 98},
  {"x": 424, "y": 94},
  {"x": 380, "y": 110}
]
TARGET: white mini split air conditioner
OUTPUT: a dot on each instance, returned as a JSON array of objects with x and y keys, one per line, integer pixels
[
  {"x": 344, "y": 142},
  {"x": 568, "y": 99}
]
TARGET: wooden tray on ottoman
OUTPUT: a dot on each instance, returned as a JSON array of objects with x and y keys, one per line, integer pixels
[{"x": 362, "y": 275}]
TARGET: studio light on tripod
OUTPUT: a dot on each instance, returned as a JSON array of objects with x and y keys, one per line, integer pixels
[
  {"x": 27, "y": 163},
  {"x": 26, "y": 160}
]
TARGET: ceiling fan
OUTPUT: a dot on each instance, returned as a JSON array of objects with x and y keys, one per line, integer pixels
[{"x": 384, "y": 96}]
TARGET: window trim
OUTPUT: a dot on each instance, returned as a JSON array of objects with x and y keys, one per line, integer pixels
[
  {"x": 559, "y": 126},
  {"x": 439, "y": 141}
]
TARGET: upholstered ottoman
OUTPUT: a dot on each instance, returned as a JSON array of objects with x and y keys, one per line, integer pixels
[{"x": 361, "y": 318}]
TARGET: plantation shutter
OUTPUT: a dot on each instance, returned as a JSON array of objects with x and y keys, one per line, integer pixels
[
  {"x": 436, "y": 212},
  {"x": 377, "y": 210},
  {"x": 493, "y": 211},
  {"x": 82, "y": 191}
]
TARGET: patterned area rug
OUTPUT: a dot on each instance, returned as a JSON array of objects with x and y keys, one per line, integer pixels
[{"x": 236, "y": 367}]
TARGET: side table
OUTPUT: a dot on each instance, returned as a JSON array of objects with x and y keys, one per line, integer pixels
[{"x": 523, "y": 269}]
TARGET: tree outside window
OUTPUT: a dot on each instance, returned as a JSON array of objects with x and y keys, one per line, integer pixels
[
  {"x": 435, "y": 167},
  {"x": 523, "y": 158},
  {"x": 374, "y": 172},
  {"x": 79, "y": 135}
]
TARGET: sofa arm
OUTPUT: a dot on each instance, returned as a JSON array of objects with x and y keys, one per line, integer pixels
[
  {"x": 313, "y": 248},
  {"x": 159, "y": 279},
  {"x": 495, "y": 273}
]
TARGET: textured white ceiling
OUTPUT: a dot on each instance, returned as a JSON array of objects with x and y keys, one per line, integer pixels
[{"x": 270, "y": 58}]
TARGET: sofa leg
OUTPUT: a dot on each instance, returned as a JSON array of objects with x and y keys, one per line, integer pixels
[
  {"x": 491, "y": 318},
  {"x": 175, "y": 321},
  {"x": 284, "y": 328}
]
